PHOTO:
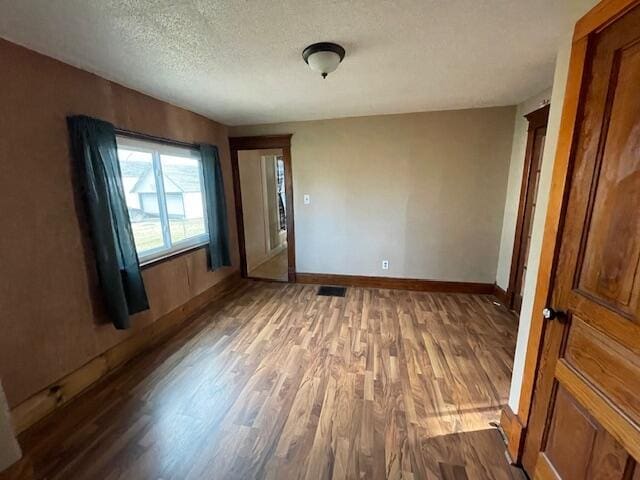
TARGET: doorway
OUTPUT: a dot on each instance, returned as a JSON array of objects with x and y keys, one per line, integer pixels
[
  {"x": 264, "y": 206},
  {"x": 537, "y": 133}
]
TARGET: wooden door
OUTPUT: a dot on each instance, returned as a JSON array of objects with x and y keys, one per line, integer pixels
[
  {"x": 585, "y": 418},
  {"x": 537, "y": 134}
]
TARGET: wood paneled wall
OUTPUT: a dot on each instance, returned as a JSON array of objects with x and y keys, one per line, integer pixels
[{"x": 53, "y": 319}]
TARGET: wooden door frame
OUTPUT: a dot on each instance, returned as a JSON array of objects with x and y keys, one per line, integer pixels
[
  {"x": 264, "y": 142},
  {"x": 515, "y": 424},
  {"x": 537, "y": 119}
]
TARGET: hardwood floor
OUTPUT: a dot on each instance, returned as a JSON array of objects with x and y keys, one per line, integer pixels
[
  {"x": 274, "y": 269},
  {"x": 276, "y": 382}
]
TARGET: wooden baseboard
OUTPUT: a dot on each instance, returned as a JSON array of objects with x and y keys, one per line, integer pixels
[
  {"x": 500, "y": 294},
  {"x": 395, "y": 283},
  {"x": 514, "y": 432},
  {"x": 60, "y": 392}
]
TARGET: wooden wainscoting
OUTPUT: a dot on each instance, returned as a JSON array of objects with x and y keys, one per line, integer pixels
[
  {"x": 60, "y": 392},
  {"x": 395, "y": 283}
]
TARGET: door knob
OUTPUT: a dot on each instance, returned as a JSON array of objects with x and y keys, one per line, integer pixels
[{"x": 550, "y": 314}]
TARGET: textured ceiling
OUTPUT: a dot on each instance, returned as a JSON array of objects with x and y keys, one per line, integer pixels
[{"x": 239, "y": 61}]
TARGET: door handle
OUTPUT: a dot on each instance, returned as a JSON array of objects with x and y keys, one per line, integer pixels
[{"x": 548, "y": 313}]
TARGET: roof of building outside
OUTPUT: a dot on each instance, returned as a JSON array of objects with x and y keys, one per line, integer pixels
[{"x": 185, "y": 177}]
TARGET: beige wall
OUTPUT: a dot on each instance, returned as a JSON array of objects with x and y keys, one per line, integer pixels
[
  {"x": 542, "y": 201},
  {"x": 578, "y": 8},
  {"x": 516, "y": 166},
  {"x": 52, "y": 319},
  {"x": 425, "y": 191}
]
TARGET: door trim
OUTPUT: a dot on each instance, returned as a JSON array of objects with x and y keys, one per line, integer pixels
[
  {"x": 537, "y": 119},
  {"x": 604, "y": 13},
  {"x": 264, "y": 143}
]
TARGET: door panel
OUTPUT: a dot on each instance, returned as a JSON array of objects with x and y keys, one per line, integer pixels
[
  {"x": 572, "y": 435},
  {"x": 605, "y": 364},
  {"x": 609, "y": 270},
  {"x": 585, "y": 419},
  {"x": 610, "y": 460}
]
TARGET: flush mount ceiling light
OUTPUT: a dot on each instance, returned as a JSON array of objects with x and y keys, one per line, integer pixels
[{"x": 323, "y": 57}]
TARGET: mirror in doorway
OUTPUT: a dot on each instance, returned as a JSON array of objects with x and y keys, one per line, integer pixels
[{"x": 262, "y": 184}]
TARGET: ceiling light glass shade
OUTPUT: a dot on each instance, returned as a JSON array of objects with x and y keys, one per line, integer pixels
[
  {"x": 323, "y": 57},
  {"x": 324, "y": 62}
]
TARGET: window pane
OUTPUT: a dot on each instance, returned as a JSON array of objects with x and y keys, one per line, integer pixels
[
  {"x": 139, "y": 185},
  {"x": 183, "y": 193},
  {"x": 163, "y": 191}
]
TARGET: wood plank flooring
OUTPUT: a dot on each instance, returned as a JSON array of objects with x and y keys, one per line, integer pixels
[{"x": 275, "y": 382}]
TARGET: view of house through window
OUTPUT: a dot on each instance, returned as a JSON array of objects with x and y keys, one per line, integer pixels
[{"x": 165, "y": 196}]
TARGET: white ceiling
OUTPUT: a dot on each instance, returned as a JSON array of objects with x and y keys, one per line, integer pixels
[{"x": 239, "y": 61}]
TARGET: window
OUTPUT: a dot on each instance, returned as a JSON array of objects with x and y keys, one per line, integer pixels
[{"x": 165, "y": 196}]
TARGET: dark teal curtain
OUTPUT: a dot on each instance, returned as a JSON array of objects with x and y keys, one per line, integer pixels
[
  {"x": 93, "y": 144},
  {"x": 216, "y": 208}
]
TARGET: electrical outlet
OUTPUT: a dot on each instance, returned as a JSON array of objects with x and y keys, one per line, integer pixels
[
  {"x": 385, "y": 264},
  {"x": 307, "y": 199}
]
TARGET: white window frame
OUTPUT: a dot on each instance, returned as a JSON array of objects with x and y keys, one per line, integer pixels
[{"x": 156, "y": 149}]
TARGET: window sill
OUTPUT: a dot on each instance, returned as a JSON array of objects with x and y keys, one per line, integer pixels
[{"x": 170, "y": 256}]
